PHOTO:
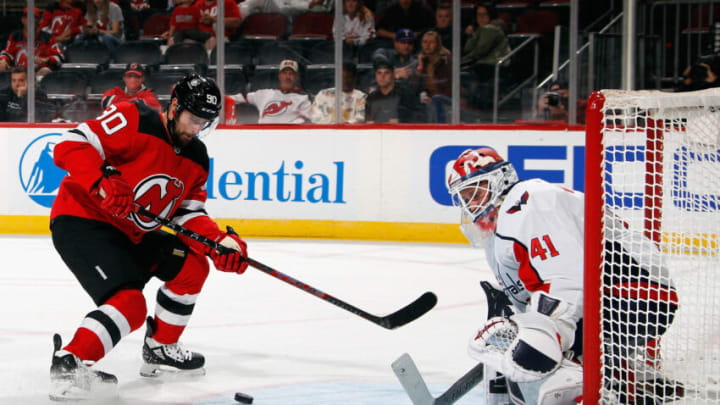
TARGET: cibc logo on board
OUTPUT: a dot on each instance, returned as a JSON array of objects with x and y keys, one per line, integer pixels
[{"x": 39, "y": 176}]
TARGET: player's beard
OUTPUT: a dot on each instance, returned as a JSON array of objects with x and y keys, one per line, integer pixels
[{"x": 178, "y": 139}]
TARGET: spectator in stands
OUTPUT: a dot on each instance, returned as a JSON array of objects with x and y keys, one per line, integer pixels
[
  {"x": 391, "y": 102},
  {"x": 288, "y": 104},
  {"x": 488, "y": 15},
  {"x": 701, "y": 75},
  {"x": 401, "y": 56},
  {"x": 487, "y": 44},
  {"x": 434, "y": 78},
  {"x": 443, "y": 24},
  {"x": 135, "y": 12},
  {"x": 48, "y": 55},
  {"x": 358, "y": 23},
  {"x": 410, "y": 14},
  {"x": 62, "y": 21},
  {"x": 13, "y": 100},
  {"x": 184, "y": 24},
  {"x": 553, "y": 105},
  {"x": 208, "y": 19},
  {"x": 353, "y": 101},
  {"x": 134, "y": 89},
  {"x": 103, "y": 22}
]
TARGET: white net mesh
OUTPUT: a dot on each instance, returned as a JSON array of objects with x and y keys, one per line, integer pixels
[{"x": 661, "y": 176}]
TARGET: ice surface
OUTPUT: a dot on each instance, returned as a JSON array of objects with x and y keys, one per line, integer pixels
[{"x": 259, "y": 335}]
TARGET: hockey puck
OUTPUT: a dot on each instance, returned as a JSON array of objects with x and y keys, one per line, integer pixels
[{"x": 244, "y": 398}]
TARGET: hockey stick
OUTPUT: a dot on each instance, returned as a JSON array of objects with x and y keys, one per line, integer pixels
[
  {"x": 414, "y": 385},
  {"x": 407, "y": 314}
]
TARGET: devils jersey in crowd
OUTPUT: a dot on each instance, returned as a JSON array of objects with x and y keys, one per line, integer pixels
[
  {"x": 118, "y": 95},
  {"x": 15, "y": 52},
  {"x": 167, "y": 180},
  {"x": 539, "y": 244},
  {"x": 279, "y": 107},
  {"x": 56, "y": 20}
]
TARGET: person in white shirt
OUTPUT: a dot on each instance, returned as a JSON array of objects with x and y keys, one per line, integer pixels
[
  {"x": 533, "y": 235},
  {"x": 288, "y": 104},
  {"x": 353, "y": 101},
  {"x": 358, "y": 23}
]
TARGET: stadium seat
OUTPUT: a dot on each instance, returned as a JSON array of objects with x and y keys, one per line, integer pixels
[
  {"x": 4, "y": 79},
  {"x": 104, "y": 81},
  {"x": 162, "y": 83},
  {"x": 541, "y": 22},
  {"x": 264, "y": 79},
  {"x": 94, "y": 52},
  {"x": 318, "y": 25},
  {"x": 186, "y": 53},
  {"x": 275, "y": 52},
  {"x": 366, "y": 51},
  {"x": 145, "y": 52},
  {"x": 154, "y": 26},
  {"x": 318, "y": 77},
  {"x": 236, "y": 53},
  {"x": 246, "y": 113},
  {"x": 62, "y": 85},
  {"x": 80, "y": 110},
  {"x": 268, "y": 25}
]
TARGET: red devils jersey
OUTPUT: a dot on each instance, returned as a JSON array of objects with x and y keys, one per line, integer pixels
[
  {"x": 118, "y": 95},
  {"x": 209, "y": 7},
  {"x": 55, "y": 20},
  {"x": 15, "y": 52},
  {"x": 167, "y": 180}
]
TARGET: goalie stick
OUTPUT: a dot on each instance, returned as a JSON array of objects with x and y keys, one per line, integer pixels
[
  {"x": 405, "y": 315},
  {"x": 414, "y": 385}
]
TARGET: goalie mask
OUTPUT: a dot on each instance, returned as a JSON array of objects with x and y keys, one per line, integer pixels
[
  {"x": 199, "y": 96},
  {"x": 478, "y": 182}
]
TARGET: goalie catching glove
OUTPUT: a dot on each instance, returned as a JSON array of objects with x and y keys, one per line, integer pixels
[{"x": 526, "y": 346}]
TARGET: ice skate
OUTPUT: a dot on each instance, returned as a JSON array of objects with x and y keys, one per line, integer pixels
[
  {"x": 159, "y": 359},
  {"x": 71, "y": 379}
]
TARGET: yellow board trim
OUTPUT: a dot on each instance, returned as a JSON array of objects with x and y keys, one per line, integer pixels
[{"x": 291, "y": 228}]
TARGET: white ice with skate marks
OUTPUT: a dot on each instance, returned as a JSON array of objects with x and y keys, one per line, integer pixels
[{"x": 259, "y": 335}]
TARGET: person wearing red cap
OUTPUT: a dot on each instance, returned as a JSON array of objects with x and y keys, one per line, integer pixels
[
  {"x": 134, "y": 89},
  {"x": 48, "y": 54}
]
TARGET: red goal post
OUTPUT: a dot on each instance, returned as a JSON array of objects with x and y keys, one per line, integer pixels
[{"x": 653, "y": 163}]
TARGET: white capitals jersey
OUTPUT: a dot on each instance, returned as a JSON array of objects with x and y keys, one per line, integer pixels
[
  {"x": 278, "y": 107},
  {"x": 538, "y": 245}
]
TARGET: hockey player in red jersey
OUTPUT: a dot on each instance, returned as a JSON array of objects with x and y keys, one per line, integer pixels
[
  {"x": 533, "y": 235},
  {"x": 132, "y": 156}
]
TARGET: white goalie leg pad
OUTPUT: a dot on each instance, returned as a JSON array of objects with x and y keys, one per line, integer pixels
[
  {"x": 563, "y": 387},
  {"x": 536, "y": 352}
]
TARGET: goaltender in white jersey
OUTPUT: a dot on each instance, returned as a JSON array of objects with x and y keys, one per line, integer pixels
[
  {"x": 287, "y": 104},
  {"x": 533, "y": 235}
]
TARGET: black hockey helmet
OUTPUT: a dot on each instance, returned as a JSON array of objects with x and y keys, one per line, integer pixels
[{"x": 199, "y": 95}]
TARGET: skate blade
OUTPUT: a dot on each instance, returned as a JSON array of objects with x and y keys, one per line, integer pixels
[{"x": 161, "y": 371}]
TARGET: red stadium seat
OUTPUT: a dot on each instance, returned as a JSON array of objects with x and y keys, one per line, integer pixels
[
  {"x": 268, "y": 25},
  {"x": 155, "y": 25},
  {"x": 312, "y": 25}
]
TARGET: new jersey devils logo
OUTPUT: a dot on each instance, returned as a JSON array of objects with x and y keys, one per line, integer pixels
[
  {"x": 276, "y": 107},
  {"x": 158, "y": 194}
]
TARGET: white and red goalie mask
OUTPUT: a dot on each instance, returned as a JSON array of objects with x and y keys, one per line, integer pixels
[{"x": 478, "y": 181}]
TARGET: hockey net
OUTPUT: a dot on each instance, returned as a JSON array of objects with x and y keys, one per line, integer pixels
[{"x": 653, "y": 161}]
